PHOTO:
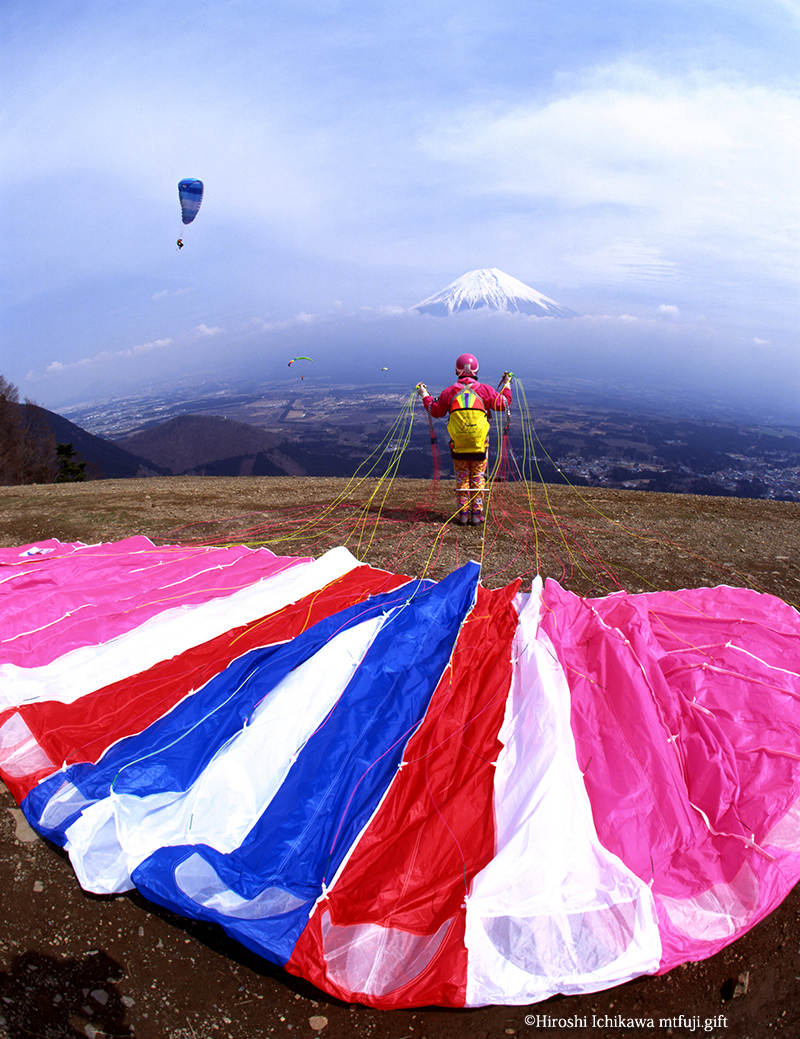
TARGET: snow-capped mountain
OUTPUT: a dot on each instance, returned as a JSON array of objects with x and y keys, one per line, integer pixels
[{"x": 493, "y": 289}]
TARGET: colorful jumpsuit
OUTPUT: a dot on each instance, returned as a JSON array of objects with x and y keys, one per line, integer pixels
[{"x": 469, "y": 466}]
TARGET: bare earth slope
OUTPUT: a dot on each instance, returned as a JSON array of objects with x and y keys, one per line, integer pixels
[{"x": 73, "y": 964}]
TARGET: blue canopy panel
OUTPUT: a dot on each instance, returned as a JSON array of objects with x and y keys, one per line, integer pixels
[
  {"x": 263, "y": 891},
  {"x": 158, "y": 759},
  {"x": 190, "y": 193}
]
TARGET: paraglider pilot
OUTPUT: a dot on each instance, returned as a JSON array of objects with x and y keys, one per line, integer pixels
[{"x": 467, "y": 403}]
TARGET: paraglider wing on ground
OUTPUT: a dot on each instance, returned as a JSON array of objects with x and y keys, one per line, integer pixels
[{"x": 355, "y": 772}]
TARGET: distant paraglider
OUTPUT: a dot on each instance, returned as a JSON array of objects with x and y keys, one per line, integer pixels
[
  {"x": 311, "y": 359},
  {"x": 190, "y": 194}
]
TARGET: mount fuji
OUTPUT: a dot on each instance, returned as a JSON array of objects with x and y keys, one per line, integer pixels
[{"x": 493, "y": 289}]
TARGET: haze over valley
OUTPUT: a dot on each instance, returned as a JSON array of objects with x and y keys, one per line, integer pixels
[
  {"x": 307, "y": 418},
  {"x": 580, "y": 433}
]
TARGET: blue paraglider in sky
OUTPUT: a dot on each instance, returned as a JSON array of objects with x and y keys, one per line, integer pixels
[{"x": 190, "y": 193}]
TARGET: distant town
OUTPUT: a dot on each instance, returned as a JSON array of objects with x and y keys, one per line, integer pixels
[{"x": 590, "y": 439}]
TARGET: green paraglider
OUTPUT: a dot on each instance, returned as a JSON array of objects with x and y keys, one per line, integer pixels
[{"x": 311, "y": 359}]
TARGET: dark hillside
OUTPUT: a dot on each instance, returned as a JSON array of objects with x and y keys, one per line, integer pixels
[
  {"x": 105, "y": 458},
  {"x": 208, "y": 445}
]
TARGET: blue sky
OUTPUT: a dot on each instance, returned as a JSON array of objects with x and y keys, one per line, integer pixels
[{"x": 636, "y": 162}]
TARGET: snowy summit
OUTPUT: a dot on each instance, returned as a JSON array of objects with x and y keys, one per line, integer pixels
[{"x": 493, "y": 289}]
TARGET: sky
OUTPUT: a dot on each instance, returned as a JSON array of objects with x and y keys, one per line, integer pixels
[{"x": 636, "y": 162}]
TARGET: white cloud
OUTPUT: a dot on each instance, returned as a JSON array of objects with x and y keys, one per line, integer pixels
[
  {"x": 701, "y": 166},
  {"x": 386, "y": 311},
  {"x": 58, "y": 367},
  {"x": 170, "y": 293},
  {"x": 792, "y": 7},
  {"x": 302, "y": 318}
]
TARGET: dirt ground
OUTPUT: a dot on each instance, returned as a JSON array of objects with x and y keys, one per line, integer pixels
[{"x": 73, "y": 964}]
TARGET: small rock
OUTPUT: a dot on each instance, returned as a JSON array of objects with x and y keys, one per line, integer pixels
[
  {"x": 734, "y": 987},
  {"x": 23, "y": 832},
  {"x": 318, "y": 1022},
  {"x": 38, "y": 886}
]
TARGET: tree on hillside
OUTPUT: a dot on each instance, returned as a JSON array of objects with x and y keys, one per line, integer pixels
[
  {"x": 70, "y": 470},
  {"x": 27, "y": 447}
]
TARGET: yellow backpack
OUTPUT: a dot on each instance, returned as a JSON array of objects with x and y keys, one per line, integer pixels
[{"x": 468, "y": 424}]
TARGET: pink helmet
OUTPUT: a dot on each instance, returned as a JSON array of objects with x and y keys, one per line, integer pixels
[{"x": 467, "y": 364}]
